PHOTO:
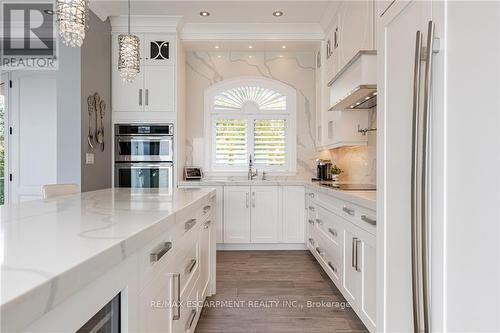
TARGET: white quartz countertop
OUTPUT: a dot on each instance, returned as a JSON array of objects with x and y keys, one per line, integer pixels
[
  {"x": 52, "y": 248},
  {"x": 367, "y": 199}
]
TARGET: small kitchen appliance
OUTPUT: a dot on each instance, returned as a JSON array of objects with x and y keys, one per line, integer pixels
[{"x": 323, "y": 170}]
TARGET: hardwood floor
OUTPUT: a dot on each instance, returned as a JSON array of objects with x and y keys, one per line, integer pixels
[{"x": 272, "y": 291}]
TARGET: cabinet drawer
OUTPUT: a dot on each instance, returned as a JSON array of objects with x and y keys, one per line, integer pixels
[
  {"x": 328, "y": 255},
  {"x": 361, "y": 217},
  {"x": 330, "y": 225},
  {"x": 187, "y": 262},
  {"x": 185, "y": 317}
]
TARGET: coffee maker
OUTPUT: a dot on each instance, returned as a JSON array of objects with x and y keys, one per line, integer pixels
[{"x": 323, "y": 170}]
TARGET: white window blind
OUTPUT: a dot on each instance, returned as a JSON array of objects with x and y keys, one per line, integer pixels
[
  {"x": 269, "y": 142},
  {"x": 231, "y": 142}
]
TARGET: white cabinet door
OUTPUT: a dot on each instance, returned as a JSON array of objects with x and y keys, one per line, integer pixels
[
  {"x": 356, "y": 32},
  {"x": 154, "y": 313},
  {"x": 293, "y": 214},
  {"x": 127, "y": 96},
  {"x": 369, "y": 287},
  {"x": 265, "y": 214},
  {"x": 237, "y": 214},
  {"x": 205, "y": 256},
  {"x": 159, "y": 85},
  {"x": 352, "y": 279}
]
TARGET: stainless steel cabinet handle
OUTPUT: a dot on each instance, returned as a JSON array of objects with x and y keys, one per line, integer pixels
[
  {"x": 190, "y": 266},
  {"x": 189, "y": 224},
  {"x": 206, "y": 209},
  {"x": 311, "y": 195},
  {"x": 319, "y": 251},
  {"x": 206, "y": 225},
  {"x": 140, "y": 96},
  {"x": 334, "y": 269},
  {"x": 318, "y": 221},
  {"x": 147, "y": 96},
  {"x": 311, "y": 241},
  {"x": 311, "y": 221},
  {"x": 333, "y": 232},
  {"x": 177, "y": 304},
  {"x": 311, "y": 208},
  {"x": 348, "y": 210},
  {"x": 368, "y": 220},
  {"x": 253, "y": 199},
  {"x": 358, "y": 269},
  {"x": 246, "y": 199},
  {"x": 353, "y": 252},
  {"x": 160, "y": 252},
  {"x": 190, "y": 320}
]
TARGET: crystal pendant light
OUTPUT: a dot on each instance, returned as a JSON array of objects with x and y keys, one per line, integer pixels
[
  {"x": 72, "y": 19},
  {"x": 128, "y": 57}
]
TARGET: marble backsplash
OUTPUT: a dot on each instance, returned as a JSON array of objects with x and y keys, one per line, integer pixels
[
  {"x": 359, "y": 163},
  {"x": 296, "y": 69}
]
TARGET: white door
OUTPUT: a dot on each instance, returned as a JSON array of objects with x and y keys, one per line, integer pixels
[
  {"x": 356, "y": 32},
  {"x": 265, "y": 214},
  {"x": 237, "y": 214},
  {"x": 33, "y": 146},
  {"x": 128, "y": 96},
  {"x": 4, "y": 145},
  {"x": 159, "y": 85},
  {"x": 351, "y": 280},
  {"x": 293, "y": 214},
  {"x": 155, "y": 314},
  {"x": 396, "y": 58}
]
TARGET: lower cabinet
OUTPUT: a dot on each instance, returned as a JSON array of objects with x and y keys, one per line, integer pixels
[
  {"x": 293, "y": 214},
  {"x": 347, "y": 254},
  {"x": 171, "y": 300},
  {"x": 237, "y": 214}
]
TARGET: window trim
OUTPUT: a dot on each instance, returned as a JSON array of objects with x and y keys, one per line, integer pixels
[{"x": 290, "y": 128}]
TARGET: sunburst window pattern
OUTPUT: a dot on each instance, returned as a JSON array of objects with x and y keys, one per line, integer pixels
[{"x": 236, "y": 98}]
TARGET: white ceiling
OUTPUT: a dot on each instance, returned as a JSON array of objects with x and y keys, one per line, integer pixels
[{"x": 228, "y": 11}]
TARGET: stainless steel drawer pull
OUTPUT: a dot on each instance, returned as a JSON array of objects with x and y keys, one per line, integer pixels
[
  {"x": 189, "y": 224},
  {"x": 177, "y": 304},
  {"x": 319, "y": 251},
  {"x": 190, "y": 320},
  {"x": 311, "y": 208},
  {"x": 190, "y": 266},
  {"x": 311, "y": 221},
  {"x": 333, "y": 232},
  {"x": 334, "y": 269},
  {"x": 358, "y": 269},
  {"x": 311, "y": 195},
  {"x": 311, "y": 241},
  {"x": 353, "y": 253},
  {"x": 318, "y": 221},
  {"x": 140, "y": 96},
  {"x": 206, "y": 225},
  {"x": 368, "y": 220},
  {"x": 348, "y": 210},
  {"x": 206, "y": 209},
  {"x": 160, "y": 252}
]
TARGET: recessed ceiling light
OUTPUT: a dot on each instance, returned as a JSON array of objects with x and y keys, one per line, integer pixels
[
  {"x": 217, "y": 46},
  {"x": 204, "y": 13},
  {"x": 278, "y": 13},
  {"x": 283, "y": 47},
  {"x": 49, "y": 11},
  {"x": 250, "y": 46}
]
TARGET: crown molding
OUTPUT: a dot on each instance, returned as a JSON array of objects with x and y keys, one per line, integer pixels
[
  {"x": 251, "y": 31},
  {"x": 146, "y": 23}
]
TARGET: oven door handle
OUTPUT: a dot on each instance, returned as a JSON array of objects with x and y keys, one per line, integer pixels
[
  {"x": 128, "y": 138},
  {"x": 144, "y": 165}
]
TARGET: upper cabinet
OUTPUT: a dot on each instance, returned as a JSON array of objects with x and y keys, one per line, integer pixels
[{"x": 154, "y": 87}]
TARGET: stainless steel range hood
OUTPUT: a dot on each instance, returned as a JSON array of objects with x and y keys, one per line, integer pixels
[{"x": 355, "y": 85}]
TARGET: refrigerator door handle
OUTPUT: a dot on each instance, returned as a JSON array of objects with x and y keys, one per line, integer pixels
[{"x": 414, "y": 185}]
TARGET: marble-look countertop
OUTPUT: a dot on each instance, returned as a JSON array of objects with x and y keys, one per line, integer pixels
[
  {"x": 53, "y": 248},
  {"x": 367, "y": 199}
]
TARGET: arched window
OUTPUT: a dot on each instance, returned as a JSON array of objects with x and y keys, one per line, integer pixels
[{"x": 248, "y": 118}]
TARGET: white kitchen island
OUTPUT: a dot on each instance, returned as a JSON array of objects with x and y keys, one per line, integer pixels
[{"x": 63, "y": 259}]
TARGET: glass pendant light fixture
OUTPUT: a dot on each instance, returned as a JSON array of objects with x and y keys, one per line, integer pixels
[
  {"x": 72, "y": 19},
  {"x": 128, "y": 57}
]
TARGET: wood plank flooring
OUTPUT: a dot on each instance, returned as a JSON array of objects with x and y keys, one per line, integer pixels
[{"x": 269, "y": 291}]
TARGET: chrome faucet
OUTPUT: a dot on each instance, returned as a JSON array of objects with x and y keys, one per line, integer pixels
[{"x": 251, "y": 174}]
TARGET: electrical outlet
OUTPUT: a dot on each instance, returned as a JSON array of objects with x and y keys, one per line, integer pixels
[{"x": 89, "y": 158}]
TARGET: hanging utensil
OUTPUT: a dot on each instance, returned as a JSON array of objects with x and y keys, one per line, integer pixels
[
  {"x": 90, "y": 105},
  {"x": 100, "y": 134},
  {"x": 97, "y": 103}
]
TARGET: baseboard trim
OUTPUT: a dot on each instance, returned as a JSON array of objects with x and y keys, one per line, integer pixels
[{"x": 261, "y": 247}]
